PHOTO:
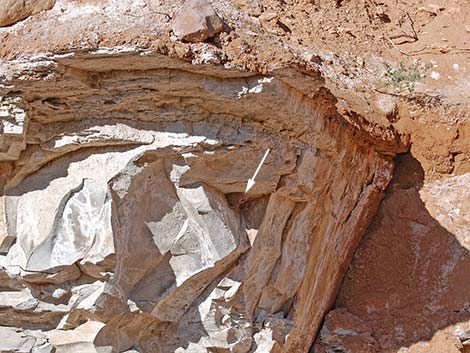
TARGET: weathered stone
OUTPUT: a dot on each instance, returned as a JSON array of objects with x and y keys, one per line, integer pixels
[
  {"x": 12, "y": 126},
  {"x": 344, "y": 332},
  {"x": 267, "y": 247},
  {"x": 196, "y": 21},
  {"x": 12, "y": 11},
  {"x": 12, "y": 340},
  {"x": 56, "y": 275},
  {"x": 139, "y": 222},
  {"x": 21, "y": 308},
  {"x": 78, "y": 340},
  {"x": 98, "y": 301},
  {"x": 6, "y": 240},
  {"x": 125, "y": 149},
  {"x": 9, "y": 281},
  {"x": 252, "y": 7}
]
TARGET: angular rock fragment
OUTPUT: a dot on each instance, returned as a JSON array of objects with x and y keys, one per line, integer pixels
[
  {"x": 20, "y": 308},
  {"x": 98, "y": 301},
  {"x": 196, "y": 21},
  {"x": 78, "y": 340}
]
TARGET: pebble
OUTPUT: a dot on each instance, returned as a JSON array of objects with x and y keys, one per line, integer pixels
[{"x": 435, "y": 75}]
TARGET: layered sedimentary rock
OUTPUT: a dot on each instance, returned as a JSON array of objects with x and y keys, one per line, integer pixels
[{"x": 124, "y": 219}]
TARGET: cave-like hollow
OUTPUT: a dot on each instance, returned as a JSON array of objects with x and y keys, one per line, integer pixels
[{"x": 124, "y": 202}]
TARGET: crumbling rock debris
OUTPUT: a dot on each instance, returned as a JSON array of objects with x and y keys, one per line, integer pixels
[
  {"x": 252, "y": 7},
  {"x": 12, "y": 11},
  {"x": 196, "y": 21}
]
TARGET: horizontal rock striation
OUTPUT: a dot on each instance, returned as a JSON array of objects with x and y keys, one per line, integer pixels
[{"x": 124, "y": 223}]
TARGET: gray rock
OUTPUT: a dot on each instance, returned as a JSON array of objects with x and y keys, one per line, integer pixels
[{"x": 13, "y": 340}]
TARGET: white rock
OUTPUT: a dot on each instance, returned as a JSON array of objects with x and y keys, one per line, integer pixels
[{"x": 435, "y": 75}]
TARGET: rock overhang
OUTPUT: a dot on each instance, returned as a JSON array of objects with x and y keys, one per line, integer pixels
[{"x": 169, "y": 146}]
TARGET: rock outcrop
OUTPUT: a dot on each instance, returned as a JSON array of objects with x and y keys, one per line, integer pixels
[
  {"x": 129, "y": 130},
  {"x": 124, "y": 205},
  {"x": 420, "y": 230}
]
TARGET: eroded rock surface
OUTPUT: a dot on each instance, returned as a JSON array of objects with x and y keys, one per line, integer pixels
[
  {"x": 344, "y": 332},
  {"x": 124, "y": 222},
  {"x": 124, "y": 219},
  {"x": 12, "y": 11}
]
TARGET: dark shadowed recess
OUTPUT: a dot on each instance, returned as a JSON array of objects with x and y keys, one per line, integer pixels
[{"x": 409, "y": 276}]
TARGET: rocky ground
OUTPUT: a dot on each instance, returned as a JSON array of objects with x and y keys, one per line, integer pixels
[{"x": 129, "y": 131}]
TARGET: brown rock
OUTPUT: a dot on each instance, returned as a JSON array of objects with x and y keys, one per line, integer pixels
[
  {"x": 123, "y": 164},
  {"x": 344, "y": 332},
  {"x": 187, "y": 262},
  {"x": 427, "y": 223},
  {"x": 252, "y": 7},
  {"x": 196, "y": 21},
  {"x": 12, "y": 11}
]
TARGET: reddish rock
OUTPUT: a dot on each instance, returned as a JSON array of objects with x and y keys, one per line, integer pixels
[
  {"x": 196, "y": 21},
  {"x": 345, "y": 332}
]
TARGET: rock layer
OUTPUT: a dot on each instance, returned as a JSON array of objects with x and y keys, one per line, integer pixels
[
  {"x": 124, "y": 212},
  {"x": 124, "y": 226}
]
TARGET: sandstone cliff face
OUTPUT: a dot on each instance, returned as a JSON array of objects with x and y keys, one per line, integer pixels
[{"x": 126, "y": 147}]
